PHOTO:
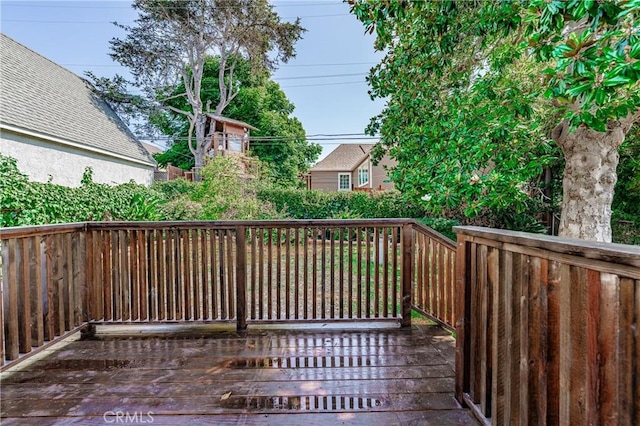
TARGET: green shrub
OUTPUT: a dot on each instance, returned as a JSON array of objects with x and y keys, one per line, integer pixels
[
  {"x": 302, "y": 204},
  {"x": 176, "y": 188},
  {"x": 227, "y": 192},
  {"x": 34, "y": 203},
  {"x": 625, "y": 228}
]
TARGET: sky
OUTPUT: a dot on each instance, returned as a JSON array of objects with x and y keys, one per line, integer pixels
[{"x": 325, "y": 81}]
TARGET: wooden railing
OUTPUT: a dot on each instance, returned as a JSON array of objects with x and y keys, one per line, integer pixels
[
  {"x": 547, "y": 329},
  {"x": 273, "y": 271},
  {"x": 243, "y": 272},
  {"x": 434, "y": 275},
  {"x": 43, "y": 286}
]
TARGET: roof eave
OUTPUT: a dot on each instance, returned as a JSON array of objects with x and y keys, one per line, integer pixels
[{"x": 54, "y": 139}]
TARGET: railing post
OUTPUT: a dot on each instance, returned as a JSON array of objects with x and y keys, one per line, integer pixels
[
  {"x": 241, "y": 279},
  {"x": 461, "y": 309},
  {"x": 407, "y": 273}
]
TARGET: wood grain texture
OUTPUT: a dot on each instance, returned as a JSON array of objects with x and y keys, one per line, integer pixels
[{"x": 396, "y": 375}]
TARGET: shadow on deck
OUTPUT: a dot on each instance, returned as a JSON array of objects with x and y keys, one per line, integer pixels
[{"x": 314, "y": 374}]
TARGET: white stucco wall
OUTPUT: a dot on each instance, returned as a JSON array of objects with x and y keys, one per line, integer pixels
[{"x": 44, "y": 160}]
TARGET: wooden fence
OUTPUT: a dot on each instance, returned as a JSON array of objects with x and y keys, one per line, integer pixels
[
  {"x": 57, "y": 278},
  {"x": 43, "y": 283},
  {"x": 547, "y": 329},
  {"x": 434, "y": 276}
]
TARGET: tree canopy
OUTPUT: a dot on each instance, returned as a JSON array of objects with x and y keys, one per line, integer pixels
[
  {"x": 280, "y": 141},
  {"x": 171, "y": 40},
  {"x": 479, "y": 91}
]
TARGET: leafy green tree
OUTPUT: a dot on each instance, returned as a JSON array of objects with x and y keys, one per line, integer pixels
[
  {"x": 171, "y": 39},
  {"x": 280, "y": 140},
  {"x": 466, "y": 119}
]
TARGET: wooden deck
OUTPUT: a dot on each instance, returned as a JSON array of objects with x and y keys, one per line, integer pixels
[{"x": 207, "y": 375}]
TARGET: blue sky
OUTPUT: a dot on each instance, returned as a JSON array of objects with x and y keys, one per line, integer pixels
[{"x": 76, "y": 35}]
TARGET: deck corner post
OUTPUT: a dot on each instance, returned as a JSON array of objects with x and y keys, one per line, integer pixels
[
  {"x": 241, "y": 279},
  {"x": 88, "y": 332},
  {"x": 461, "y": 310},
  {"x": 407, "y": 273}
]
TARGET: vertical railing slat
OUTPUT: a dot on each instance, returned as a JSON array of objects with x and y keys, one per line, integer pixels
[
  {"x": 407, "y": 273},
  {"x": 241, "y": 279},
  {"x": 37, "y": 287},
  {"x": 230, "y": 278},
  {"x": 215, "y": 283},
  {"x": 24, "y": 295},
  {"x": 287, "y": 284},
  {"x": 10, "y": 295},
  {"x": 4, "y": 270},
  {"x": 296, "y": 279},
  {"x": 144, "y": 274},
  {"x": 279, "y": 281},
  {"x": 171, "y": 288},
  {"x": 195, "y": 275}
]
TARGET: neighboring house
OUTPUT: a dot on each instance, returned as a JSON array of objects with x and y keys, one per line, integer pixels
[
  {"x": 55, "y": 125},
  {"x": 349, "y": 167}
]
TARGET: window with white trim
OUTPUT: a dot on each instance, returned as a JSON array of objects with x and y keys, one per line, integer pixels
[
  {"x": 344, "y": 181},
  {"x": 363, "y": 174}
]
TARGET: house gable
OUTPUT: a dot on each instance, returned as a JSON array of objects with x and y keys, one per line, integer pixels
[
  {"x": 352, "y": 159},
  {"x": 55, "y": 109}
]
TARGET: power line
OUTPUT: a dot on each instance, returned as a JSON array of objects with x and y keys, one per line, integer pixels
[
  {"x": 279, "y": 67},
  {"x": 324, "y": 84},
  {"x": 84, "y": 5},
  {"x": 34, "y": 21},
  {"x": 271, "y": 140},
  {"x": 302, "y": 77}
]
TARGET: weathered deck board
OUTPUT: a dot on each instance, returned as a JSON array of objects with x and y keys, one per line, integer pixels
[{"x": 382, "y": 376}]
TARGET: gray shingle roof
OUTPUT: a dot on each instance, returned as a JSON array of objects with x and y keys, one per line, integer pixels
[
  {"x": 345, "y": 157},
  {"x": 231, "y": 121},
  {"x": 40, "y": 96}
]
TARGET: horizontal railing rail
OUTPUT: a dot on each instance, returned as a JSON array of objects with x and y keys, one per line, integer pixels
[{"x": 547, "y": 328}]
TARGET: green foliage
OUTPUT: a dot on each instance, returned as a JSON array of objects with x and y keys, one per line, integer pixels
[
  {"x": 170, "y": 41},
  {"x": 592, "y": 49},
  {"x": 35, "y": 203},
  {"x": 466, "y": 82},
  {"x": 626, "y": 228},
  {"x": 227, "y": 191},
  {"x": 461, "y": 118},
  {"x": 259, "y": 102},
  {"x": 626, "y": 198},
  {"x": 302, "y": 204},
  {"x": 173, "y": 189}
]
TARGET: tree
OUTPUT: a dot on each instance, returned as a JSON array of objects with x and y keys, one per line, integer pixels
[
  {"x": 465, "y": 117},
  {"x": 171, "y": 40},
  {"x": 280, "y": 141}
]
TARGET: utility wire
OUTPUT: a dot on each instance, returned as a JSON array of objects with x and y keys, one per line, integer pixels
[
  {"x": 324, "y": 84},
  {"x": 302, "y": 77},
  {"x": 37, "y": 21},
  {"x": 83, "y": 5},
  {"x": 279, "y": 67}
]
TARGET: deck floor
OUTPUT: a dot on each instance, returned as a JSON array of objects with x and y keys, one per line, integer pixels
[{"x": 172, "y": 375}]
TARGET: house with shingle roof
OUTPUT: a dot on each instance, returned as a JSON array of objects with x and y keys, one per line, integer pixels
[
  {"x": 349, "y": 168},
  {"x": 55, "y": 125}
]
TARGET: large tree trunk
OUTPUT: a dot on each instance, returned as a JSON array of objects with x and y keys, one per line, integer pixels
[
  {"x": 589, "y": 179},
  {"x": 199, "y": 157}
]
